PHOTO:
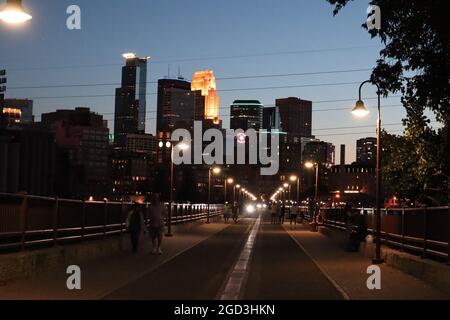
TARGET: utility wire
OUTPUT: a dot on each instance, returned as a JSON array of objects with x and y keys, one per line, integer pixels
[
  {"x": 205, "y": 58},
  {"x": 78, "y": 85}
]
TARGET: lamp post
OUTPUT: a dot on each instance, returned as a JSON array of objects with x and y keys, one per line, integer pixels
[
  {"x": 14, "y": 13},
  {"x": 287, "y": 188},
  {"x": 237, "y": 186},
  {"x": 169, "y": 145},
  {"x": 215, "y": 170},
  {"x": 294, "y": 178},
  {"x": 360, "y": 110},
  {"x": 314, "y": 165},
  {"x": 226, "y": 181}
]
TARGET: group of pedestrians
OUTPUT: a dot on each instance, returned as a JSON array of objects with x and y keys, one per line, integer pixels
[
  {"x": 156, "y": 213},
  {"x": 231, "y": 211},
  {"x": 280, "y": 212}
]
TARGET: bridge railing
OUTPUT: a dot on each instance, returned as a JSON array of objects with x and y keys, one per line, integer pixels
[
  {"x": 423, "y": 231},
  {"x": 30, "y": 221}
]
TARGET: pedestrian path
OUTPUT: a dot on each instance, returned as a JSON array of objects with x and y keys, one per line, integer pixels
[
  {"x": 280, "y": 270},
  {"x": 349, "y": 270},
  {"x": 103, "y": 276}
]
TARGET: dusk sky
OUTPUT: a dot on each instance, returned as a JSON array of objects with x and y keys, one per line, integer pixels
[{"x": 235, "y": 38}]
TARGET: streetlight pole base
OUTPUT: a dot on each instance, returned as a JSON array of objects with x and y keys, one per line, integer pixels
[{"x": 377, "y": 261}]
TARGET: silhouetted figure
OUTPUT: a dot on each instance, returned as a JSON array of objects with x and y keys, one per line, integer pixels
[
  {"x": 282, "y": 213},
  {"x": 235, "y": 212},
  {"x": 135, "y": 225},
  {"x": 226, "y": 212},
  {"x": 157, "y": 212}
]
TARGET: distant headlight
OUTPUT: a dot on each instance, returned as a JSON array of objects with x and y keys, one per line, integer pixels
[
  {"x": 250, "y": 208},
  {"x": 259, "y": 206}
]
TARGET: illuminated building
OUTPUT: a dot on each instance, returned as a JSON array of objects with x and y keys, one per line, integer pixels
[
  {"x": 130, "y": 105},
  {"x": 17, "y": 111},
  {"x": 206, "y": 83},
  {"x": 366, "y": 150},
  {"x": 246, "y": 114}
]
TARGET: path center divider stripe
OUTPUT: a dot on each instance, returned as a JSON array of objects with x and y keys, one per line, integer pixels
[{"x": 235, "y": 281}]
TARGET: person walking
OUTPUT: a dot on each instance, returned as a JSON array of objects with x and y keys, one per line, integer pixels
[
  {"x": 135, "y": 225},
  {"x": 294, "y": 214},
  {"x": 235, "y": 212},
  {"x": 274, "y": 213},
  {"x": 157, "y": 213},
  {"x": 226, "y": 212},
  {"x": 282, "y": 213}
]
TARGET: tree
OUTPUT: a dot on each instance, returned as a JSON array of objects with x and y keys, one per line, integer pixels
[{"x": 415, "y": 62}]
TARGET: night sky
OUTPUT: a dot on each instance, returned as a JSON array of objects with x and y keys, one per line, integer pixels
[{"x": 235, "y": 38}]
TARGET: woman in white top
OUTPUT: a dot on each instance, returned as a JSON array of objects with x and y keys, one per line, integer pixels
[{"x": 157, "y": 213}]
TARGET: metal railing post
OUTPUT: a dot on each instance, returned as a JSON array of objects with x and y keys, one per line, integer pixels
[
  {"x": 105, "y": 217},
  {"x": 121, "y": 217},
  {"x": 425, "y": 231},
  {"x": 24, "y": 216},
  {"x": 83, "y": 219},
  {"x": 403, "y": 229},
  {"x": 55, "y": 221}
]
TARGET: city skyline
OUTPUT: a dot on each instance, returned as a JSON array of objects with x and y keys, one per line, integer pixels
[{"x": 318, "y": 78}]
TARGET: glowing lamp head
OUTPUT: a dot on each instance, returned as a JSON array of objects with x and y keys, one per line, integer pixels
[
  {"x": 14, "y": 13},
  {"x": 216, "y": 170},
  {"x": 360, "y": 110},
  {"x": 285, "y": 185},
  {"x": 309, "y": 165},
  {"x": 293, "y": 178},
  {"x": 230, "y": 180}
]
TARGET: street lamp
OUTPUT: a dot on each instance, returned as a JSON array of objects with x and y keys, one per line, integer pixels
[
  {"x": 360, "y": 110},
  {"x": 14, "y": 13},
  {"x": 226, "y": 181},
  {"x": 288, "y": 187},
  {"x": 294, "y": 178},
  {"x": 211, "y": 170},
  {"x": 169, "y": 145},
  {"x": 315, "y": 165}
]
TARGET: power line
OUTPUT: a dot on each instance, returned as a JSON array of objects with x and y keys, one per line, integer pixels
[
  {"x": 205, "y": 58},
  {"x": 77, "y": 85},
  {"x": 223, "y": 90}
]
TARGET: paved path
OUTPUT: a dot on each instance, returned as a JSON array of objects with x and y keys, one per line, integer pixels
[
  {"x": 281, "y": 270},
  {"x": 284, "y": 262},
  {"x": 349, "y": 269}
]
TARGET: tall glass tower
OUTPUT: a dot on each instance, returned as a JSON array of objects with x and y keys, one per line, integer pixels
[{"x": 131, "y": 101}]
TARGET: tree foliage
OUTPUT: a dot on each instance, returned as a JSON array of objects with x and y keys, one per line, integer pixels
[{"x": 415, "y": 62}]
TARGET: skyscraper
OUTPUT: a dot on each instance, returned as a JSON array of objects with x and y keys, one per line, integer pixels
[
  {"x": 177, "y": 105},
  {"x": 130, "y": 109},
  {"x": 246, "y": 114},
  {"x": 271, "y": 118},
  {"x": 295, "y": 116},
  {"x": 366, "y": 150},
  {"x": 82, "y": 136},
  {"x": 205, "y": 81}
]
